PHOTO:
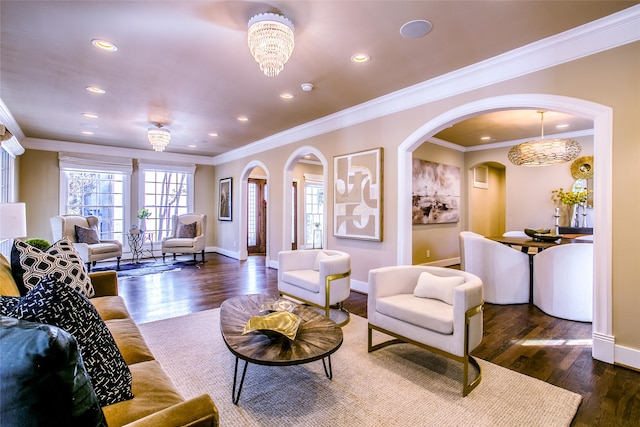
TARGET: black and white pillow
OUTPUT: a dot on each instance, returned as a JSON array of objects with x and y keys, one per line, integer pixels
[
  {"x": 53, "y": 303},
  {"x": 8, "y": 303},
  {"x": 29, "y": 265}
]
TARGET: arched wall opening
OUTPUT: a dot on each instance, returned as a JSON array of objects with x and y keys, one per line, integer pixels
[
  {"x": 602, "y": 116},
  {"x": 242, "y": 229},
  {"x": 287, "y": 206}
]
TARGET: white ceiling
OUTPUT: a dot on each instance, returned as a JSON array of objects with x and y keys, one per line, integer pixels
[{"x": 186, "y": 64}]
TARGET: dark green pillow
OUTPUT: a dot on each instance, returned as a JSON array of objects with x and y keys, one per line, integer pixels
[{"x": 43, "y": 380}]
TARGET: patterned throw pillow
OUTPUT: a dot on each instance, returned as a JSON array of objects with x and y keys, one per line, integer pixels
[
  {"x": 29, "y": 265},
  {"x": 53, "y": 303},
  {"x": 88, "y": 235},
  {"x": 186, "y": 231},
  {"x": 8, "y": 303}
]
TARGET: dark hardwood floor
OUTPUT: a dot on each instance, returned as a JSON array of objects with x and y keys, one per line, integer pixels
[{"x": 517, "y": 337}]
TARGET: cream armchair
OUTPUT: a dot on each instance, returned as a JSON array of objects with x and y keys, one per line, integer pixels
[
  {"x": 504, "y": 271},
  {"x": 189, "y": 231},
  {"x": 85, "y": 236},
  {"x": 436, "y": 308},
  {"x": 563, "y": 281},
  {"x": 318, "y": 277}
]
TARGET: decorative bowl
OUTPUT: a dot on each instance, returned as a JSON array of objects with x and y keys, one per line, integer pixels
[
  {"x": 547, "y": 237},
  {"x": 531, "y": 232}
]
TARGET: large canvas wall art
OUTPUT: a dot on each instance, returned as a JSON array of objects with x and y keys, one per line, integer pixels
[
  {"x": 435, "y": 196},
  {"x": 357, "y": 195}
]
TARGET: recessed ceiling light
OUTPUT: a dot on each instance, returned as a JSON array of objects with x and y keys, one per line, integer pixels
[
  {"x": 242, "y": 118},
  {"x": 87, "y": 132},
  {"x": 485, "y": 138},
  {"x": 286, "y": 95},
  {"x": 191, "y": 145},
  {"x": 104, "y": 45},
  {"x": 562, "y": 126},
  {"x": 360, "y": 57},
  {"x": 90, "y": 115},
  {"x": 95, "y": 89},
  {"x": 416, "y": 29},
  {"x": 213, "y": 134}
]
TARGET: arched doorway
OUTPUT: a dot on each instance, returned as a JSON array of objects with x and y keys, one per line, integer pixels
[
  {"x": 602, "y": 116},
  {"x": 290, "y": 166},
  {"x": 244, "y": 208}
]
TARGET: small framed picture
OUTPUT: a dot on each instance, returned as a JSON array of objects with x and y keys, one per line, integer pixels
[{"x": 225, "y": 200}]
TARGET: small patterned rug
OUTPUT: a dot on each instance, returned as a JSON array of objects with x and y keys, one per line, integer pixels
[
  {"x": 133, "y": 269},
  {"x": 400, "y": 385}
]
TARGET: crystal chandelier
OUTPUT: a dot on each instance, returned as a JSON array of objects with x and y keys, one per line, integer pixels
[
  {"x": 544, "y": 152},
  {"x": 270, "y": 40},
  {"x": 159, "y": 137}
]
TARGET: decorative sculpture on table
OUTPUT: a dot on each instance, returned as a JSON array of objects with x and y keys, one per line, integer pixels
[{"x": 574, "y": 200}]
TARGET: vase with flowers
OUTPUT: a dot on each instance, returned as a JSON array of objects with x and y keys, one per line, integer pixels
[
  {"x": 573, "y": 201},
  {"x": 143, "y": 214}
]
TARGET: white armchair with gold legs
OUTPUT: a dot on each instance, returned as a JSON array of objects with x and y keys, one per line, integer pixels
[
  {"x": 317, "y": 277},
  {"x": 438, "y": 309}
]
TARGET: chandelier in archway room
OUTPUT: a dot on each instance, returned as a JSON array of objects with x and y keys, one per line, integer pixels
[
  {"x": 544, "y": 152},
  {"x": 271, "y": 43}
]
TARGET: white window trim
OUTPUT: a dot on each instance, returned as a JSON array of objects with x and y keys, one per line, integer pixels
[
  {"x": 68, "y": 162},
  {"x": 188, "y": 169}
]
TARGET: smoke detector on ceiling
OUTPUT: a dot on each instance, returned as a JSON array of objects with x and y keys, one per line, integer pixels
[{"x": 307, "y": 87}]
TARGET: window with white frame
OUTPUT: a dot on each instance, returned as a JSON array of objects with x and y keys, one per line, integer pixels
[
  {"x": 313, "y": 211},
  {"x": 165, "y": 191},
  {"x": 7, "y": 167},
  {"x": 99, "y": 187}
]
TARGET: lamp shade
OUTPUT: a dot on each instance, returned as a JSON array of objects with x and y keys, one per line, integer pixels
[{"x": 13, "y": 220}]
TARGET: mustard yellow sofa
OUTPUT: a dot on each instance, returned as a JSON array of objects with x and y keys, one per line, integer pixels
[{"x": 156, "y": 401}]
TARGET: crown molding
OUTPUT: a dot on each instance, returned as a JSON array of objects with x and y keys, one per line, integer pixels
[
  {"x": 80, "y": 148},
  {"x": 603, "y": 34}
]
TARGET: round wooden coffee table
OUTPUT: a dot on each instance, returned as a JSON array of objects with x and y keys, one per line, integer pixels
[{"x": 317, "y": 337}]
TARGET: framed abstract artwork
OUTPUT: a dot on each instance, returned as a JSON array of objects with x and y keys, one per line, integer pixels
[
  {"x": 357, "y": 195},
  {"x": 225, "y": 200},
  {"x": 435, "y": 193}
]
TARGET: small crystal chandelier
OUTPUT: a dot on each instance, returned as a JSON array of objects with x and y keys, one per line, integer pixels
[
  {"x": 159, "y": 137},
  {"x": 544, "y": 152},
  {"x": 270, "y": 40}
]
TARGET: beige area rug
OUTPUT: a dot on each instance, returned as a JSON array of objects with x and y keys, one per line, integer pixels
[{"x": 400, "y": 385}]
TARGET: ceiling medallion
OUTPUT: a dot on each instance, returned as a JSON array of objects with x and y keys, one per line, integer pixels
[
  {"x": 544, "y": 152},
  {"x": 270, "y": 40},
  {"x": 159, "y": 137}
]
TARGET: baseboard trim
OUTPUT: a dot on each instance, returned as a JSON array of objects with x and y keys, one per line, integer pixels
[
  {"x": 603, "y": 347},
  {"x": 443, "y": 262},
  {"x": 225, "y": 252},
  {"x": 362, "y": 287},
  {"x": 627, "y": 357}
]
